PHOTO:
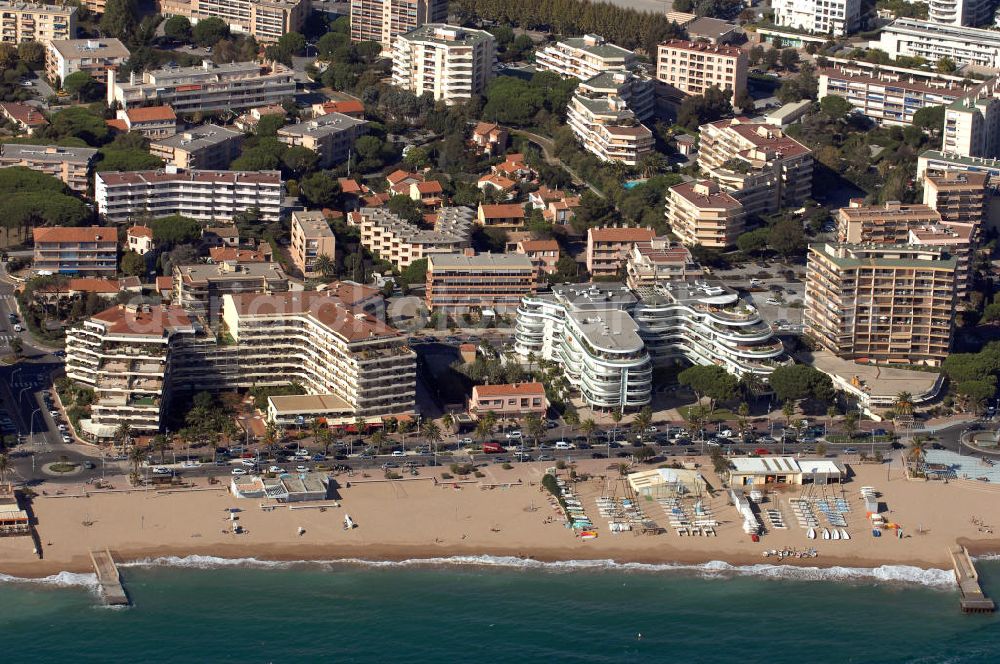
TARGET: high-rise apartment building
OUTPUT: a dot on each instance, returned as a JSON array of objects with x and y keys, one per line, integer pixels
[
  {"x": 312, "y": 237},
  {"x": 72, "y": 250},
  {"x": 701, "y": 213},
  {"x": 758, "y": 164},
  {"x": 829, "y": 17},
  {"x": 203, "y": 147},
  {"x": 961, "y": 12},
  {"x": 71, "y": 165},
  {"x": 199, "y": 288},
  {"x": 449, "y": 62},
  {"x": 401, "y": 242},
  {"x": 933, "y": 41},
  {"x": 383, "y": 20},
  {"x": 29, "y": 21},
  {"x": 608, "y": 129},
  {"x": 887, "y": 97},
  {"x": 94, "y": 56},
  {"x": 461, "y": 282},
  {"x": 330, "y": 136},
  {"x": 889, "y": 304},
  {"x": 265, "y": 20},
  {"x": 693, "y": 67},
  {"x": 206, "y": 88},
  {"x": 583, "y": 57},
  {"x": 889, "y": 223},
  {"x": 124, "y": 355},
  {"x": 608, "y": 248},
  {"x": 205, "y": 195},
  {"x": 607, "y": 337},
  {"x": 957, "y": 196}
]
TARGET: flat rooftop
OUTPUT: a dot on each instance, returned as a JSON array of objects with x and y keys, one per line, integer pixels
[
  {"x": 765, "y": 465},
  {"x": 611, "y": 330},
  {"x": 309, "y": 403},
  {"x": 878, "y": 379},
  {"x": 197, "y": 138},
  {"x": 46, "y": 153},
  {"x": 331, "y": 123},
  {"x": 604, "y": 295},
  {"x": 71, "y": 49},
  {"x": 492, "y": 262}
]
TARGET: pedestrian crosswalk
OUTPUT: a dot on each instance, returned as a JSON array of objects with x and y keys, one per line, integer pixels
[{"x": 5, "y": 339}]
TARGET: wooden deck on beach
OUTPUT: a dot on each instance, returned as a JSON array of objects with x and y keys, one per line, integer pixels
[
  {"x": 111, "y": 581},
  {"x": 973, "y": 600}
]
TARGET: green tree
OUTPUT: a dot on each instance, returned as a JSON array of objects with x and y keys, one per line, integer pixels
[
  {"x": 789, "y": 58},
  {"x": 787, "y": 237},
  {"x": 32, "y": 53},
  {"x": 120, "y": 19},
  {"x": 319, "y": 189},
  {"x": 800, "y": 381},
  {"x": 209, "y": 31},
  {"x": 753, "y": 242},
  {"x": 133, "y": 264},
  {"x": 930, "y": 118},
  {"x": 835, "y": 107},
  {"x": 326, "y": 266},
  {"x": 178, "y": 28},
  {"x": 81, "y": 85},
  {"x": 946, "y": 65},
  {"x": 300, "y": 160},
  {"x": 709, "y": 381}
]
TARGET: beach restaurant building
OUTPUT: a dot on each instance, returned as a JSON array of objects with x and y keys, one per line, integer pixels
[
  {"x": 667, "y": 482},
  {"x": 287, "y": 488},
  {"x": 755, "y": 471}
]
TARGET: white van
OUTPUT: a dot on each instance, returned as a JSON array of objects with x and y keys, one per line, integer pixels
[{"x": 563, "y": 445}]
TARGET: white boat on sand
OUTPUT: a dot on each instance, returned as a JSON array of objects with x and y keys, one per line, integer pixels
[
  {"x": 844, "y": 535},
  {"x": 835, "y": 534},
  {"x": 826, "y": 534},
  {"x": 811, "y": 533}
]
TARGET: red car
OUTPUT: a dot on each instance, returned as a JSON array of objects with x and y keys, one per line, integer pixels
[
  {"x": 760, "y": 451},
  {"x": 493, "y": 448}
]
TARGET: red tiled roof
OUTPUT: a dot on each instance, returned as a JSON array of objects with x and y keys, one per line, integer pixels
[
  {"x": 150, "y": 321},
  {"x": 715, "y": 199},
  {"x": 504, "y": 183},
  {"x": 91, "y": 285},
  {"x": 220, "y": 254},
  {"x": 540, "y": 245},
  {"x": 24, "y": 114},
  {"x": 349, "y": 186},
  {"x": 347, "y": 107},
  {"x": 115, "y": 123},
  {"x": 703, "y": 47},
  {"x": 150, "y": 114},
  {"x": 430, "y": 187},
  {"x": 502, "y": 211},
  {"x": 324, "y": 307},
  {"x": 398, "y": 176},
  {"x": 510, "y": 390},
  {"x": 164, "y": 283},
  {"x": 141, "y": 231},
  {"x": 75, "y": 234}
]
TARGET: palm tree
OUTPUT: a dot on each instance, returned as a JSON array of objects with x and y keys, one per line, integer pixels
[
  {"x": 917, "y": 451},
  {"x": 831, "y": 413},
  {"x": 851, "y": 423},
  {"x": 325, "y": 266},
  {"x": 903, "y": 405},
  {"x": 743, "y": 411},
  {"x": 572, "y": 420},
  {"x": 4, "y": 467},
  {"x": 136, "y": 455},
  {"x": 314, "y": 429},
  {"x": 270, "y": 437},
  {"x": 448, "y": 422},
  {"x": 616, "y": 417},
  {"x": 483, "y": 429},
  {"x": 642, "y": 420},
  {"x": 431, "y": 433},
  {"x": 534, "y": 427},
  {"x": 788, "y": 409},
  {"x": 326, "y": 437},
  {"x": 588, "y": 426},
  {"x": 123, "y": 435},
  {"x": 752, "y": 386},
  {"x": 161, "y": 444},
  {"x": 378, "y": 440}
]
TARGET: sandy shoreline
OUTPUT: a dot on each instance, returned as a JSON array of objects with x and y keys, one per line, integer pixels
[{"x": 418, "y": 520}]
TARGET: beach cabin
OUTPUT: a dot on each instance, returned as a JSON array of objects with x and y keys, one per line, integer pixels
[
  {"x": 667, "y": 483},
  {"x": 758, "y": 471},
  {"x": 287, "y": 488},
  {"x": 823, "y": 471}
]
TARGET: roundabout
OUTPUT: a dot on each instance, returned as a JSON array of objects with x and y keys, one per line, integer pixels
[{"x": 62, "y": 469}]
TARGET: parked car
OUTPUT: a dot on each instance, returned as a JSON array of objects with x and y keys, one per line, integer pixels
[
  {"x": 514, "y": 435},
  {"x": 398, "y": 453},
  {"x": 160, "y": 470},
  {"x": 302, "y": 469},
  {"x": 275, "y": 469},
  {"x": 492, "y": 448},
  {"x": 564, "y": 445},
  {"x": 239, "y": 471}
]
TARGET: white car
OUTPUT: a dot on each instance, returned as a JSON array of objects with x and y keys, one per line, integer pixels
[
  {"x": 302, "y": 469},
  {"x": 275, "y": 469},
  {"x": 773, "y": 301},
  {"x": 66, "y": 439},
  {"x": 726, "y": 433},
  {"x": 249, "y": 463},
  {"x": 239, "y": 471},
  {"x": 398, "y": 453},
  {"x": 465, "y": 441},
  {"x": 564, "y": 445},
  {"x": 160, "y": 470},
  {"x": 514, "y": 435}
]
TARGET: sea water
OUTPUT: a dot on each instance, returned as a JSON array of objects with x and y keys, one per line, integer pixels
[{"x": 497, "y": 610}]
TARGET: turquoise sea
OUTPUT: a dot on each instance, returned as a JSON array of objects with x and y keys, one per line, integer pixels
[{"x": 205, "y": 610}]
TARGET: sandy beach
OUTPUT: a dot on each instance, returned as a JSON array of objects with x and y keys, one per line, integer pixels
[{"x": 420, "y": 519}]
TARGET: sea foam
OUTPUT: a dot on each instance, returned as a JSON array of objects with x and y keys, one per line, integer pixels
[
  {"x": 891, "y": 574},
  {"x": 60, "y": 580}
]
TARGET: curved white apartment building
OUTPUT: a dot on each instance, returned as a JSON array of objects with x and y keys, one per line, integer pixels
[{"x": 607, "y": 337}]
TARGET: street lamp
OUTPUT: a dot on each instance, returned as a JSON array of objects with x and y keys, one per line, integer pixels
[{"x": 31, "y": 434}]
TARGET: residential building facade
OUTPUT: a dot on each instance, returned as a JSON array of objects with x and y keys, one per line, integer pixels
[
  {"x": 608, "y": 129},
  {"x": 400, "y": 242},
  {"x": 886, "y": 98},
  {"x": 608, "y": 247},
  {"x": 124, "y": 355},
  {"x": 659, "y": 260},
  {"x": 330, "y": 136},
  {"x": 150, "y": 121},
  {"x": 583, "y": 57},
  {"x": 692, "y": 68},
  {"x": 607, "y": 338},
  {"x": 701, "y": 213},
  {"x": 311, "y": 238},
  {"x": 449, "y": 62},
  {"x": 462, "y": 282},
  {"x": 886, "y": 304},
  {"x": 829, "y": 17},
  {"x": 961, "y": 12},
  {"x": 508, "y": 400},
  {"x": 266, "y": 20},
  {"x": 209, "y": 87},
  {"x": 205, "y": 147},
  {"x": 199, "y": 288},
  {"x": 383, "y": 20},
  {"x": 76, "y": 249},
  {"x": 889, "y": 223},
  {"x": 205, "y": 195},
  {"x": 933, "y": 41},
  {"x": 757, "y": 164},
  {"x": 71, "y": 165},
  {"x": 957, "y": 196},
  {"x": 30, "y": 21},
  {"x": 94, "y": 56}
]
